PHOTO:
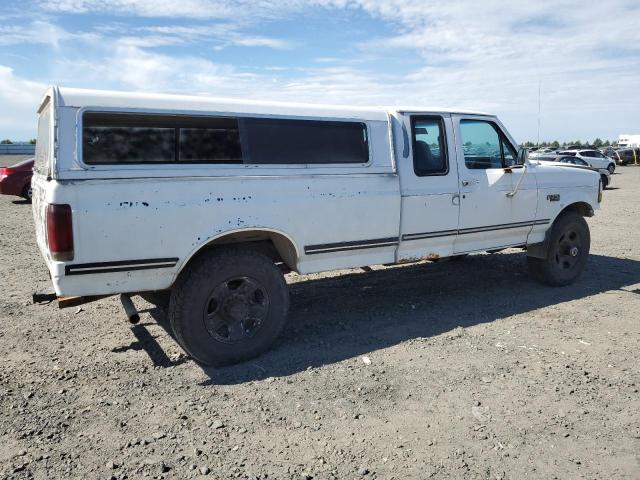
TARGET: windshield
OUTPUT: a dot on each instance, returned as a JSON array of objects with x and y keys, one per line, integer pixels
[{"x": 43, "y": 142}]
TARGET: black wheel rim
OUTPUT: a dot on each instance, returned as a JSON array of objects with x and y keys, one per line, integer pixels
[
  {"x": 568, "y": 249},
  {"x": 236, "y": 310}
]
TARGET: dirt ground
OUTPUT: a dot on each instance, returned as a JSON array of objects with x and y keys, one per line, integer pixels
[{"x": 463, "y": 369}]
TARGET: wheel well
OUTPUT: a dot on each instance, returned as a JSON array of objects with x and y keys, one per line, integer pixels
[
  {"x": 583, "y": 208},
  {"x": 539, "y": 250},
  {"x": 275, "y": 245}
]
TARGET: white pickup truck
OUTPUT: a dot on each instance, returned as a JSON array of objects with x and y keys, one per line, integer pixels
[{"x": 202, "y": 203}]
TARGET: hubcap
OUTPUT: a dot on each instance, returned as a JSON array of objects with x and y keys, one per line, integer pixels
[
  {"x": 568, "y": 248},
  {"x": 236, "y": 309}
]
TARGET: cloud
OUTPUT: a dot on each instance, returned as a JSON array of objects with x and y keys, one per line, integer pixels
[
  {"x": 37, "y": 32},
  {"x": 222, "y": 34},
  {"x": 256, "y": 41},
  {"x": 19, "y": 99},
  {"x": 493, "y": 56},
  {"x": 145, "y": 8},
  {"x": 488, "y": 55}
]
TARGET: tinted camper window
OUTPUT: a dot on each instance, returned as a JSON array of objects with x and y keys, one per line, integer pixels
[
  {"x": 213, "y": 144},
  {"x": 275, "y": 141},
  {"x": 112, "y": 138},
  {"x": 123, "y": 138}
]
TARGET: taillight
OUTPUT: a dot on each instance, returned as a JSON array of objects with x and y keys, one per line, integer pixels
[{"x": 60, "y": 232}]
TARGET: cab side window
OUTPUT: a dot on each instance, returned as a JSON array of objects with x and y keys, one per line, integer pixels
[
  {"x": 484, "y": 146},
  {"x": 429, "y": 146}
]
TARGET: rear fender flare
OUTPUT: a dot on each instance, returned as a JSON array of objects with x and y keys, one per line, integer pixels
[{"x": 291, "y": 262}]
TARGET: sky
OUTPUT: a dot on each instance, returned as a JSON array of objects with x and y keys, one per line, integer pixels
[{"x": 495, "y": 56}]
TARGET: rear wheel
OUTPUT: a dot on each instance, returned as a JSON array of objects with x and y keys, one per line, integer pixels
[
  {"x": 229, "y": 306},
  {"x": 611, "y": 168},
  {"x": 605, "y": 181},
  {"x": 27, "y": 193},
  {"x": 569, "y": 243}
]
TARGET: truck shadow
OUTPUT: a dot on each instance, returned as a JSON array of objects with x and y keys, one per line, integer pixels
[
  {"x": 334, "y": 319},
  {"x": 147, "y": 342}
]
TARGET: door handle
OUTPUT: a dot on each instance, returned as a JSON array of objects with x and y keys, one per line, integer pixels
[{"x": 465, "y": 183}]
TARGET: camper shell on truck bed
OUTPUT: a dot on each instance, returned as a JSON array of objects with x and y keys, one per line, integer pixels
[{"x": 138, "y": 193}]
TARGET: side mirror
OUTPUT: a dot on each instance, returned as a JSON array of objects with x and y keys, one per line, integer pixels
[{"x": 523, "y": 156}]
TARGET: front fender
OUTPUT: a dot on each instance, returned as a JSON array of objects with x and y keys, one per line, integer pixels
[{"x": 538, "y": 244}]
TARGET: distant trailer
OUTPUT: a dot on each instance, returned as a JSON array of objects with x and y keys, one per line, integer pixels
[
  {"x": 17, "y": 149},
  {"x": 625, "y": 141}
]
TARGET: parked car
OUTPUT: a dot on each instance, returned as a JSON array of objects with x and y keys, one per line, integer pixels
[
  {"x": 613, "y": 154},
  {"x": 202, "y": 203},
  {"x": 543, "y": 156},
  {"x": 16, "y": 179},
  {"x": 605, "y": 175},
  {"x": 608, "y": 152},
  {"x": 628, "y": 155},
  {"x": 594, "y": 158}
]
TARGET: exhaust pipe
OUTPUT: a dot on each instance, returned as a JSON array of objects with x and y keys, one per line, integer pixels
[{"x": 129, "y": 308}]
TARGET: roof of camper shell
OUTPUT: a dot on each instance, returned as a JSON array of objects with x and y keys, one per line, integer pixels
[{"x": 74, "y": 97}]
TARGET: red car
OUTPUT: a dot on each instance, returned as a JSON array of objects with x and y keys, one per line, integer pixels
[{"x": 16, "y": 179}]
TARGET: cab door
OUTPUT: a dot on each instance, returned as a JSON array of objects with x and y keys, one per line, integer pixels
[
  {"x": 428, "y": 185},
  {"x": 489, "y": 217}
]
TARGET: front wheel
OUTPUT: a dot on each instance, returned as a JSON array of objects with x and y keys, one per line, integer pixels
[
  {"x": 605, "y": 181},
  {"x": 611, "y": 168},
  {"x": 229, "y": 306},
  {"x": 568, "y": 249}
]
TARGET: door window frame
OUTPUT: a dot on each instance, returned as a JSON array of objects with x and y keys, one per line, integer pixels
[
  {"x": 502, "y": 137},
  {"x": 444, "y": 146}
]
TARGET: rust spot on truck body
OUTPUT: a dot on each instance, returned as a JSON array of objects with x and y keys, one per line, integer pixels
[{"x": 431, "y": 257}]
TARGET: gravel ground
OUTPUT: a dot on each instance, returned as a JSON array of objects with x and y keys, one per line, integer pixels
[{"x": 450, "y": 370}]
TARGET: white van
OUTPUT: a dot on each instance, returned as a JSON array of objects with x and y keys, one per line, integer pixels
[{"x": 201, "y": 203}]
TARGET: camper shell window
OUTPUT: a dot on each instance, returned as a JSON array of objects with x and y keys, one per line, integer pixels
[
  {"x": 127, "y": 138},
  {"x": 275, "y": 141},
  {"x": 115, "y": 138}
]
